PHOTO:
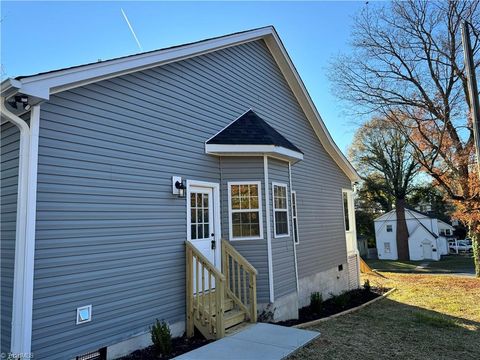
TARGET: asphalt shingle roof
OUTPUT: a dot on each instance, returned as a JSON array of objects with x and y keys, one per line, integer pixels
[{"x": 251, "y": 129}]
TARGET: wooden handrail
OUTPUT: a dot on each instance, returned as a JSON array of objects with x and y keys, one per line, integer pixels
[
  {"x": 236, "y": 269},
  {"x": 204, "y": 297},
  {"x": 201, "y": 257},
  {"x": 238, "y": 257}
]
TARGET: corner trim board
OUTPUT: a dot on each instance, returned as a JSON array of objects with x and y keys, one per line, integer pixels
[
  {"x": 269, "y": 229},
  {"x": 293, "y": 229}
]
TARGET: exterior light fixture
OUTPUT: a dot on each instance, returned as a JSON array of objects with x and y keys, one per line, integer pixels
[
  {"x": 178, "y": 186},
  {"x": 22, "y": 100},
  {"x": 181, "y": 188}
]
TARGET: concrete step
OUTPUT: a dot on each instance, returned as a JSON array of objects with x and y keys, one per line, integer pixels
[{"x": 233, "y": 317}]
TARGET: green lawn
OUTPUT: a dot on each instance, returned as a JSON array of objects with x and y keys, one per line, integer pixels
[
  {"x": 448, "y": 264},
  {"x": 429, "y": 317}
]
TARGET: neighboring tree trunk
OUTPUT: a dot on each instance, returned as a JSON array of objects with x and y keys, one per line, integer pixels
[
  {"x": 402, "y": 231},
  {"x": 476, "y": 250}
]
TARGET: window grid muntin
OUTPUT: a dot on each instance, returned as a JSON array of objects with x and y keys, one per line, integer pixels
[
  {"x": 280, "y": 210},
  {"x": 238, "y": 210}
]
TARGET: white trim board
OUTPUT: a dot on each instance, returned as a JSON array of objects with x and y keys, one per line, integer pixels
[
  {"x": 269, "y": 229},
  {"x": 253, "y": 150},
  {"x": 43, "y": 85},
  {"x": 293, "y": 238}
]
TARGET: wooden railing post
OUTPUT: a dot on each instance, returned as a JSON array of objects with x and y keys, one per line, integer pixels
[
  {"x": 219, "y": 300},
  {"x": 234, "y": 287},
  {"x": 253, "y": 298},
  {"x": 189, "y": 292},
  {"x": 200, "y": 292}
]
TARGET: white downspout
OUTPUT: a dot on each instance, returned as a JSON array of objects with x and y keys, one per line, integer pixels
[
  {"x": 21, "y": 335},
  {"x": 269, "y": 230},
  {"x": 293, "y": 230}
]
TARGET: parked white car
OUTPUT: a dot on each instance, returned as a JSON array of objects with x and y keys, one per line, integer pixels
[{"x": 460, "y": 246}]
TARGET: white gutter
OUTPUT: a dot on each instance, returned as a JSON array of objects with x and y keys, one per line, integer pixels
[{"x": 21, "y": 336}]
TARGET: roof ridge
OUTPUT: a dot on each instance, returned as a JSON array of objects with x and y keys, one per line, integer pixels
[{"x": 143, "y": 52}]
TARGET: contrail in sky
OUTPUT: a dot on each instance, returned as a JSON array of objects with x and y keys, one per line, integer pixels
[{"x": 131, "y": 29}]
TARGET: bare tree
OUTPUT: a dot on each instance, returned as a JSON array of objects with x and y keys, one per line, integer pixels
[
  {"x": 407, "y": 65},
  {"x": 381, "y": 149}
]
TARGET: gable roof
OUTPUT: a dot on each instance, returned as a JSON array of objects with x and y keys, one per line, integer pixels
[
  {"x": 391, "y": 215},
  {"x": 42, "y": 85},
  {"x": 251, "y": 129},
  {"x": 421, "y": 224}
]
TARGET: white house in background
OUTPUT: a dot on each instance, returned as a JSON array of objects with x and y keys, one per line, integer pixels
[{"x": 427, "y": 236}]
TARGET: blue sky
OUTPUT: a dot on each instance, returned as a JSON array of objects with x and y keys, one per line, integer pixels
[{"x": 41, "y": 36}]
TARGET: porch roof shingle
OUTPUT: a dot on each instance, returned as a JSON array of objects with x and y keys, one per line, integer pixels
[{"x": 251, "y": 129}]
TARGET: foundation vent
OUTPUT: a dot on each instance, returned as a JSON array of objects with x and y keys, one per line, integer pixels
[{"x": 100, "y": 354}]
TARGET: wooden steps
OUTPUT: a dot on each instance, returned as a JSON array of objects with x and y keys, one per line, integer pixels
[
  {"x": 234, "y": 317},
  {"x": 219, "y": 300}
]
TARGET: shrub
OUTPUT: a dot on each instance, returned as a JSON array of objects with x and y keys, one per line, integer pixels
[
  {"x": 162, "y": 337},
  {"x": 316, "y": 302},
  {"x": 366, "y": 285},
  {"x": 341, "y": 300}
]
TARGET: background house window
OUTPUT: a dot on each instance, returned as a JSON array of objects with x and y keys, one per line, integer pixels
[
  {"x": 245, "y": 210},
  {"x": 386, "y": 247},
  {"x": 294, "y": 216},
  {"x": 346, "y": 211},
  {"x": 448, "y": 232},
  {"x": 280, "y": 210},
  {"x": 389, "y": 228}
]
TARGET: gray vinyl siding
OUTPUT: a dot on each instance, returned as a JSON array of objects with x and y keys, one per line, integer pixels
[
  {"x": 255, "y": 251},
  {"x": 10, "y": 145},
  {"x": 110, "y": 233},
  {"x": 283, "y": 257}
]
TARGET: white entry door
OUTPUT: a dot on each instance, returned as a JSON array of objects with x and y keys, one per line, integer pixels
[
  {"x": 427, "y": 249},
  {"x": 203, "y": 219}
]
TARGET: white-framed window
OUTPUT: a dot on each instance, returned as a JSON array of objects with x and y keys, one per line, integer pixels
[
  {"x": 448, "y": 232},
  {"x": 245, "y": 210},
  {"x": 280, "y": 210},
  {"x": 295, "y": 217},
  {"x": 389, "y": 228},
  {"x": 386, "y": 247},
  {"x": 346, "y": 210}
]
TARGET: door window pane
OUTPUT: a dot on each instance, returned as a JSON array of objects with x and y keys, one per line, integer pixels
[{"x": 199, "y": 216}]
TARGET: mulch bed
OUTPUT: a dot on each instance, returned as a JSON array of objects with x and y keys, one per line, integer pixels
[
  {"x": 335, "y": 305},
  {"x": 180, "y": 345}
]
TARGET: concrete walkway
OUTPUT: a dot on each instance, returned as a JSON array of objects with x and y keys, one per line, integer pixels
[{"x": 259, "y": 341}]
